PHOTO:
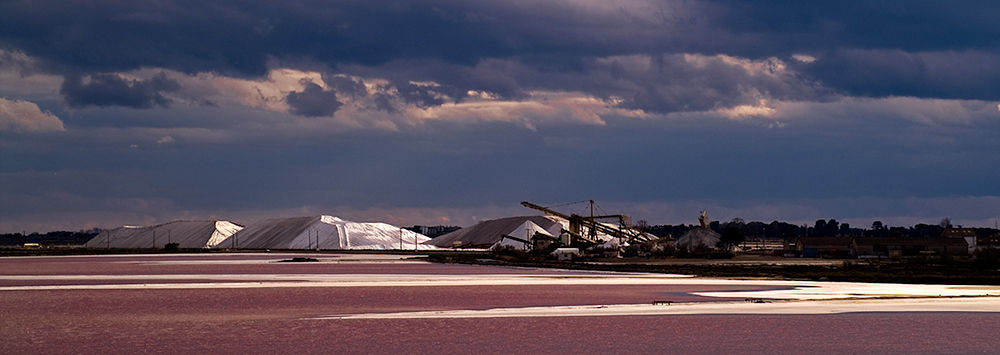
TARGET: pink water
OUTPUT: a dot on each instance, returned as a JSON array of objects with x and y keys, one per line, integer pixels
[{"x": 276, "y": 320}]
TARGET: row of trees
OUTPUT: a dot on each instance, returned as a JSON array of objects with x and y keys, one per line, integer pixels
[
  {"x": 821, "y": 228},
  {"x": 50, "y": 238}
]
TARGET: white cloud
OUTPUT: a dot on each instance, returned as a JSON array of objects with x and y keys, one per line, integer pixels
[
  {"x": 23, "y": 116},
  {"x": 540, "y": 107},
  {"x": 769, "y": 66},
  {"x": 361, "y": 111},
  {"x": 166, "y": 139},
  {"x": 745, "y": 111},
  {"x": 18, "y": 77},
  {"x": 381, "y": 105},
  {"x": 804, "y": 58},
  {"x": 272, "y": 93}
]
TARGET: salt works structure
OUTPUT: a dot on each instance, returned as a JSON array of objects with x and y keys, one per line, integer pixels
[
  {"x": 493, "y": 233},
  {"x": 186, "y": 234},
  {"x": 324, "y": 232},
  {"x": 699, "y": 237}
]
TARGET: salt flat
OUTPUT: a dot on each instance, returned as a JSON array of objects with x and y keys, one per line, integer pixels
[
  {"x": 774, "y": 289},
  {"x": 980, "y": 304}
]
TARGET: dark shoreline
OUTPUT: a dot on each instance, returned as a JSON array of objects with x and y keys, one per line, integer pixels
[
  {"x": 907, "y": 272},
  {"x": 961, "y": 272}
]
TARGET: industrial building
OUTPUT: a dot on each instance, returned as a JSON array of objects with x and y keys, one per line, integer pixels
[
  {"x": 909, "y": 247},
  {"x": 875, "y": 247}
]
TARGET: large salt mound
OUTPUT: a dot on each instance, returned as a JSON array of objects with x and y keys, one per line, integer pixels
[
  {"x": 697, "y": 237},
  {"x": 487, "y": 234},
  {"x": 187, "y": 234},
  {"x": 323, "y": 232}
]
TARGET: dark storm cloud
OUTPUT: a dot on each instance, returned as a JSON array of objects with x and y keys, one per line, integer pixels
[
  {"x": 947, "y": 75},
  {"x": 313, "y": 101},
  {"x": 660, "y": 83},
  {"x": 697, "y": 83},
  {"x": 928, "y": 25},
  {"x": 419, "y": 96},
  {"x": 238, "y": 37},
  {"x": 345, "y": 85},
  {"x": 505, "y": 47},
  {"x": 113, "y": 90}
]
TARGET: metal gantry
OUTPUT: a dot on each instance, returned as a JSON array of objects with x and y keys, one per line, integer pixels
[{"x": 584, "y": 229}]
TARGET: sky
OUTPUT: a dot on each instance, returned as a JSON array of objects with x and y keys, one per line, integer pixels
[{"x": 452, "y": 112}]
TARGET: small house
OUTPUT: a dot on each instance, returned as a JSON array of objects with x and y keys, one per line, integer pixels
[
  {"x": 969, "y": 234},
  {"x": 564, "y": 254}
]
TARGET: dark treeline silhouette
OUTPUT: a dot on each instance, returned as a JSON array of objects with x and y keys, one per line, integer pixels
[
  {"x": 51, "y": 238},
  {"x": 822, "y": 228}
]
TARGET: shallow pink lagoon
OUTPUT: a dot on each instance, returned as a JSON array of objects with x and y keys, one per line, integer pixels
[{"x": 207, "y": 316}]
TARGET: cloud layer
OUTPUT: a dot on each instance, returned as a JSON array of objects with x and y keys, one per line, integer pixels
[
  {"x": 24, "y": 116},
  {"x": 153, "y": 110}
]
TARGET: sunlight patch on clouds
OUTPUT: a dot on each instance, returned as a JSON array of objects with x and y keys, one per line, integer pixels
[
  {"x": 769, "y": 66},
  {"x": 24, "y": 116},
  {"x": 19, "y": 76},
  {"x": 381, "y": 105},
  {"x": 541, "y": 107},
  {"x": 804, "y": 58},
  {"x": 484, "y": 95},
  {"x": 272, "y": 93},
  {"x": 744, "y": 111},
  {"x": 375, "y": 103},
  {"x": 429, "y": 84}
]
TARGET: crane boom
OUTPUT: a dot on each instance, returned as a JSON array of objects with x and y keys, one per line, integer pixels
[
  {"x": 544, "y": 209},
  {"x": 577, "y": 221}
]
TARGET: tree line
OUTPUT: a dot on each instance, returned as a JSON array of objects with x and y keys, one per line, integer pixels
[
  {"x": 821, "y": 228},
  {"x": 51, "y": 238}
]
